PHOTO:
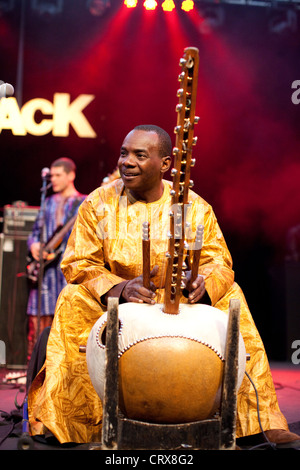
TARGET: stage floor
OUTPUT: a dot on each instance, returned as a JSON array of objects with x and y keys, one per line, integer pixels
[{"x": 286, "y": 378}]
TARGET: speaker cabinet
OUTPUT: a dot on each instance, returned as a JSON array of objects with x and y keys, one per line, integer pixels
[
  {"x": 14, "y": 287},
  {"x": 13, "y": 299}
]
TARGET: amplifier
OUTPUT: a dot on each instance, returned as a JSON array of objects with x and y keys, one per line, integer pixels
[
  {"x": 18, "y": 219},
  {"x": 14, "y": 289}
]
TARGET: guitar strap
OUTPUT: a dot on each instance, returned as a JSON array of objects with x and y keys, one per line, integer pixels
[
  {"x": 72, "y": 212},
  {"x": 74, "y": 208}
]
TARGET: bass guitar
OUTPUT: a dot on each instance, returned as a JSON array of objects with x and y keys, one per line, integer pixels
[{"x": 52, "y": 249}]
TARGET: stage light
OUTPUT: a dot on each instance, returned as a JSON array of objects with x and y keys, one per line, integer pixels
[
  {"x": 130, "y": 3},
  {"x": 187, "y": 5},
  {"x": 283, "y": 21},
  {"x": 47, "y": 7},
  {"x": 150, "y": 4},
  {"x": 168, "y": 5}
]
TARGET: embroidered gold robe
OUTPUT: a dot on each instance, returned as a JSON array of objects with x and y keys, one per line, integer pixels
[{"x": 104, "y": 249}]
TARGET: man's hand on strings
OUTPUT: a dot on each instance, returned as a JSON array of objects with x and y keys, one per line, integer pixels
[
  {"x": 196, "y": 289},
  {"x": 35, "y": 251},
  {"x": 134, "y": 290}
]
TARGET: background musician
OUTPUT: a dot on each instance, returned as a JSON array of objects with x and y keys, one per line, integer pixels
[{"x": 59, "y": 207}]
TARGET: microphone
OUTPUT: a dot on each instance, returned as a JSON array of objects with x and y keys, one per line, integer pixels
[
  {"x": 6, "y": 89},
  {"x": 45, "y": 173}
]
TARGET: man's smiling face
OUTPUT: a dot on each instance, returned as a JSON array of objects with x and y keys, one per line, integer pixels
[{"x": 141, "y": 166}]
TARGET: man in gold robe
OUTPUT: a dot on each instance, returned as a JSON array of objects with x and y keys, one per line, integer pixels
[{"x": 104, "y": 258}]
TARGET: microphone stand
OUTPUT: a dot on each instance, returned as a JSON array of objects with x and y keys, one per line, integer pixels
[{"x": 44, "y": 188}]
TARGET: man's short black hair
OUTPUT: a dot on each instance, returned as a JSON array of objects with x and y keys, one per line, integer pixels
[{"x": 165, "y": 143}]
